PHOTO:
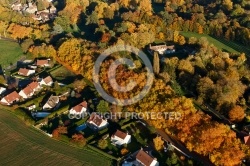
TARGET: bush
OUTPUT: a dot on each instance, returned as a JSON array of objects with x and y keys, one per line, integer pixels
[
  {"x": 79, "y": 140},
  {"x": 124, "y": 151},
  {"x": 103, "y": 143}
]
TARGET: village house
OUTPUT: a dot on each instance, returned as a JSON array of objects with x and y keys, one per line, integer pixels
[
  {"x": 161, "y": 49},
  {"x": 42, "y": 62},
  {"x": 43, "y": 15},
  {"x": 79, "y": 109},
  {"x": 48, "y": 81},
  {"x": 2, "y": 90},
  {"x": 247, "y": 140},
  {"x": 10, "y": 98},
  {"x": 52, "y": 9},
  {"x": 32, "y": 8},
  {"x": 17, "y": 6},
  {"x": 26, "y": 72},
  {"x": 145, "y": 159},
  {"x": 29, "y": 90},
  {"x": 120, "y": 138},
  {"x": 96, "y": 122},
  {"x": 52, "y": 102}
]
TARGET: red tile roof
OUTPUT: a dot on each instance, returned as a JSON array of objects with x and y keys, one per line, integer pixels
[
  {"x": 34, "y": 85},
  {"x": 42, "y": 62},
  {"x": 96, "y": 119},
  {"x": 120, "y": 134},
  {"x": 79, "y": 107},
  {"x": 12, "y": 97},
  {"x": 247, "y": 140},
  {"x": 23, "y": 71},
  {"x": 27, "y": 90},
  {"x": 47, "y": 79},
  {"x": 144, "y": 158},
  {"x": 30, "y": 88}
]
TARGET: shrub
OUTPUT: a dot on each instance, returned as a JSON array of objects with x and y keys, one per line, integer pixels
[
  {"x": 124, "y": 151},
  {"x": 103, "y": 143}
]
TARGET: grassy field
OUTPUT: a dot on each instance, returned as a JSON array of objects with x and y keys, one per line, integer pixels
[
  {"x": 219, "y": 44},
  {"x": 10, "y": 52},
  {"x": 62, "y": 74},
  {"x": 22, "y": 145}
]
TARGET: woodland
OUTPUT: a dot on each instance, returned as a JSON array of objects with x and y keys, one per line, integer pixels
[{"x": 84, "y": 28}]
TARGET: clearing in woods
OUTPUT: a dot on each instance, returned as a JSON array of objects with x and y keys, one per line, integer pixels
[
  {"x": 23, "y": 145},
  {"x": 221, "y": 44}
]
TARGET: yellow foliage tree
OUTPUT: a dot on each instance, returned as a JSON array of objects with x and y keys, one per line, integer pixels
[{"x": 158, "y": 143}]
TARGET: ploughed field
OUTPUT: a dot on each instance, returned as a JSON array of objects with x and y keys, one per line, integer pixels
[{"x": 23, "y": 145}]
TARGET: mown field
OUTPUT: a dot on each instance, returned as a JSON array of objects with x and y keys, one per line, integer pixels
[
  {"x": 23, "y": 145},
  {"x": 62, "y": 74},
  {"x": 10, "y": 52},
  {"x": 221, "y": 44}
]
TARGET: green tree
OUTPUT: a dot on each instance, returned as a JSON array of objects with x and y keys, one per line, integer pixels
[
  {"x": 26, "y": 45},
  {"x": 156, "y": 63},
  {"x": 103, "y": 106}
]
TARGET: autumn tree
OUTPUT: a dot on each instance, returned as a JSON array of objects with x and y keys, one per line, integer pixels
[
  {"x": 124, "y": 3},
  {"x": 145, "y": 6},
  {"x": 186, "y": 65},
  {"x": 181, "y": 40},
  {"x": 236, "y": 114},
  {"x": 124, "y": 151},
  {"x": 55, "y": 134},
  {"x": 62, "y": 130},
  {"x": 70, "y": 52},
  {"x": 228, "y": 4},
  {"x": 19, "y": 31},
  {"x": 43, "y": 50},
  {"x": 79, "y": 140},
  {"x": 158, "y": 143},
  {"x": 79, "y": 84}
]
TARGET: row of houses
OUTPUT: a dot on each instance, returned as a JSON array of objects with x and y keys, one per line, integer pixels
[
  {"x": 31, "y": 68},
  {"x": 26, "y": 92},
  {"x": 119, "y": 138},
  {"x": 97, "y": 122}
]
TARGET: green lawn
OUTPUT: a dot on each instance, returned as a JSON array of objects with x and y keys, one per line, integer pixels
[
  {"x": 10, "y": 52},
  {"x": 21, "y": 145},
  {"x": 219, "y": 44},
  {"x": 62, "y": 74}
]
